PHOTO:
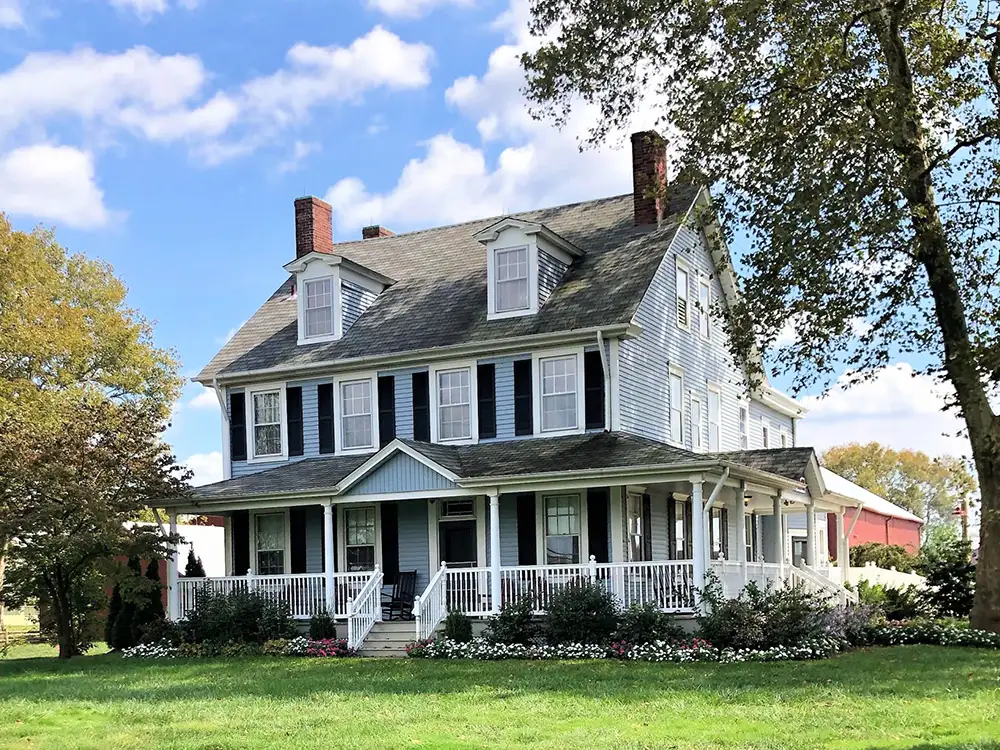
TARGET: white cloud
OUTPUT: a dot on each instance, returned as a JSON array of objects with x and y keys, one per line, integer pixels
[
  {"x": 11, "y": 16},
  {"x": 52, "y": 183},
  {"x": 413, "y": 8},
  {"x": 207, "y": 467},
  {"x": 898, "y": 408},
  {"x": 146, "y": 9},
  {"x": 206, "y": 399},
  {"x": 300, "y": 151}
]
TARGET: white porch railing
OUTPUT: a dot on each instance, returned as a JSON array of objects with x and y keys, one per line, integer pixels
[
  {"x": 468, "y": 590},
  {"x": 365, "y": 610},
  {"x": 735, "y": 575},
  {"x": 810, "y": 580},
  {"x": 430, "y": 608},
  {"x": 305, "y": 593}
]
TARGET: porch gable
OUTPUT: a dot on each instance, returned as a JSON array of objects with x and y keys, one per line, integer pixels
[{"x": 399, "y": 473}]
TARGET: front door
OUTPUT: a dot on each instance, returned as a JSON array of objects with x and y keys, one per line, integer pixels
[{"x": 458, "y": 543}]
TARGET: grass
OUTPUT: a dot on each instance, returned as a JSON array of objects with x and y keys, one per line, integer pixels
[{"x": 904, "y": 697}]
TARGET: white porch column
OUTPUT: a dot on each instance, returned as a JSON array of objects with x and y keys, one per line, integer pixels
[
  {"x": 700, "y": 552},
  {"x": 778, "y": 544},
  {"x": 843, "y": 556},
  {"x": 173, "y": 592},
  {"x": 328, "y": 551},
  {"x": 741, "y": 529},
  {"x": 811, "y": 535},
  {"x": 617, "y": 528},
  {"x": 495, "y": 550}
]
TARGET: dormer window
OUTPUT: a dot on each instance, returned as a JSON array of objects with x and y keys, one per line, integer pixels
[
  {"x": 319, "y": 308},
  {"x": 525, "y": 263}
]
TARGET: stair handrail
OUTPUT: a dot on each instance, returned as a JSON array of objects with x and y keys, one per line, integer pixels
[
  {"x": 809, "y": 576},
  {"x": 364, "y": 610},
  {"x": 430, "y": 608}
]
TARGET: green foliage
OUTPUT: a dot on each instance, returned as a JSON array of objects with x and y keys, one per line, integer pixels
[
  {"x": 895, "y": 603},
  {"x": 125, "y": 632},
  {"x": 884, "y": 556},
  {"x": 322, "y": 626},
  {"x": 149, "y": 608},
  {"x": 193, "y": 568},
  {"x": 951, "y": 576},
  {"x": 114, "y": 609},
  {"x": 644, "y": 623},
  {"x": 513, "y": 623},
  {"x": 237, "y": 617},
  {"x": 458, "y": 627},
  {"x": 581, "y": 612},
  {"x": 160, "y": 631}
]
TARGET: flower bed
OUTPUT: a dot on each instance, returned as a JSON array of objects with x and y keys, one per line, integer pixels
[
  {"x": 933, "y": 634},
  {"x": 300, "y": 646}
]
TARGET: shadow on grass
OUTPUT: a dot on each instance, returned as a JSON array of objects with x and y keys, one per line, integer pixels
[{"x": 902, "y": 673}]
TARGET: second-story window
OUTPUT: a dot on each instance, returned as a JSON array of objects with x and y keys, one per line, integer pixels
[
  {"x": 697, "y": 425},
  {"x": 744, "y": 427},
  {"x": 559, "y": 402},
  {"x": 714, "y": 419},
  {"x": 765, "y": 433},
  {"x": 266, "y": 423},
  {"x": 319, "y": 308},
  {"x": 454, "y": 404},
  {"x": 676, "y": 407},
  {"x": 512, "y": 279},
  {"x": 356, "y": 414},
  {"x": 682, "y": 290},
  {"x": 704, "y": 302}
]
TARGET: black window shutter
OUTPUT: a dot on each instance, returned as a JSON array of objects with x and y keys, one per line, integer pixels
[
  {"x": 671, "y": 527},
  {"x": 688, "y": 531},
  {"x": 390, "y": 541},
  {"x": 240, "y": 532},
  {"x": 526, "y": 553},
  {"x": 324, "y": 397},
  {"x": 523, "y": 417},
  {"x": 293, "y": 406},
  {"x": 486, "y": 384},
  {"x": 647, "y": 528},
  {"x": 421, "y": 407},
  {"x": 238, "y": 427},
  {"x": 386, "y": 409},
  {"x": 593, "y": 391},
  {"x": 725, "y": 534},
  {"x": 598, "y": 521},
  {"x": 297, "y": 532}
]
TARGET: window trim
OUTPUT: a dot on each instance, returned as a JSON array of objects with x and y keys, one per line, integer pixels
[
  {"x": 675, "y": 372},
  {"x": 249, "y": 392},
  {"x": 765, "y": 432},
  {"x": 540, "y": 535},
  {"x": 317, "y": 269},
  {"x": 704, "y": 316},
  {"x": 682, "y": 265},
  {"x": 435, "y": 397},
  {"x": 495, "y": 280},
  {"x": 699, "y": 429},
  {"x": 338, "y": 412},
  {"x": 743, "y": 406},
  {"x": 342, "y": 532},
  {"x": 717, "y": 390},
  {"x": 531, "y": 246},
  {"x": 304, "y": 293},
  {"x": 538, "y": 396},
  {"x": 784, "y": 438},
  {"x": 252, "y": 541}
]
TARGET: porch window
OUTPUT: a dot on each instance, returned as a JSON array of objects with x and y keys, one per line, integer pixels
[
  {"x": 360, "y": 546},
  {"x": 319, "y": 308},
  {"x": 697, "y": 425},
  {"x": 512, "y": 279},
  {"x": 562, "y": 530},
  {"x": 559, "y": 401},
  {"x": 269, "y": 541},
  {"x": 714, "y": 419},
  {"x": 680, "y": 525},
  {"x": 717, "y": 534},
  {"x": 677, "y": 408},
  {"x": 356, "y": 411},
  {"x": 267, "y": 423},
  {"x": 744, "y": 427},
  {"x": 750, "y": 536},
  {"x": 454, "y": 401}
]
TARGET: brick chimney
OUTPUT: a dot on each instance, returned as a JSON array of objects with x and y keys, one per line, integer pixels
[
  {"x": 375, "y": 231},
  {"x": 649, "y": 177},
  {"x": 313, "y": 226}
]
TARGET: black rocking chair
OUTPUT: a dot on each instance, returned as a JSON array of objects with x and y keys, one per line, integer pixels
[{"x": 399, "y": 604}]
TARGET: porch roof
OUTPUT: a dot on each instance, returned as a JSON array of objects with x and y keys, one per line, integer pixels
[{"x": 500, "y": 460}]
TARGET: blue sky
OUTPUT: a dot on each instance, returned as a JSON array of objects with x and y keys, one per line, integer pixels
[{"x": 170, "y": 137}]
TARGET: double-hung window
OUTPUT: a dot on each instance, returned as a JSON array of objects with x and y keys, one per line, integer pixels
[
  {"x": 676, "y": 408},
  {"x": 266, "y": 418},
  {"x": 360, "y": 538},
  {"x": 714, "y": 419},
  {"x": 562, "y": 529},
  {"x": 749, "y": 537},
  {"x": 269, "y": 544},
  {"x": 682, "y": 291},
  {"x": 559, "y": 393},
  {"x": 454, "y": 404},
  {"x": 784, "y": 439},
  {"x": 511, "y": 290},
  {"x": 697, "y": 425},
  {"x": 744, "y": 413},
  {"x": 765, "y": 432},
  {"x": 356, "y": 414},
  {"x": 680, "y": 542},
  {"x": 319, "y": 308},
  {"x": 704, "y": 303}
]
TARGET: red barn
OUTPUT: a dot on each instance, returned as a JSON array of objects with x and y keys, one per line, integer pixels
[{"x": 880, "y": 521}]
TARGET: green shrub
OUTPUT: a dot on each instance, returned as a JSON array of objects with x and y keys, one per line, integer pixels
[
  {"x": 237, "y": 617},
  {"x": 884, "y": 556},
  {"x": 458, "y": 627},
  {"x": 951, "y": 576},
  {"x": 581, "y": 612},
  {"x": 124, "y": 634},
  {"x": 114, "y": 609},
  {"x": 193, "y": 568},
  {"x": 644, "y": 623},
  {"x": 322, "y": 626},
  {"x": 894, "y": 603},
  {"x": 513, "y": 623},
  {"x": 162, "y": 630}
]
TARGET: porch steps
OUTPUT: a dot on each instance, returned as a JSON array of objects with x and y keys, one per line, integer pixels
[{"x": 389, "y": 639}]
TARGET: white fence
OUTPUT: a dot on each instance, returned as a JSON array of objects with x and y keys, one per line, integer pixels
[{"x": 889, "y": 577}]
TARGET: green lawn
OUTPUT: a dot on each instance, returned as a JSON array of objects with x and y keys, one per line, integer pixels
[{"x": 905, "y": 697}]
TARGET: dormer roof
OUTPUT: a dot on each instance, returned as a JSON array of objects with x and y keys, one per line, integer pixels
[
  {"x": 332, "y": 259},
  {"x": 531, "y": 228}
]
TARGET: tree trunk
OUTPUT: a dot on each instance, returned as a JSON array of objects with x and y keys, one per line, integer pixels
[
  {"x": 3, "y": 570},
  {"x": 63, "y": 612},
  {"x": 933, "y": 252}
]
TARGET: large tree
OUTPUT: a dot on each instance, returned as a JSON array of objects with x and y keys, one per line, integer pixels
[
  {"x": 84, "y": 399},
  {"x": 854, "y": 142},
  {"x": 929, "y": 487}
]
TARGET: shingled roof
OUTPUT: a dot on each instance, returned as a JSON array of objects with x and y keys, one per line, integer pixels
[{"x": 439, "y": 298}]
